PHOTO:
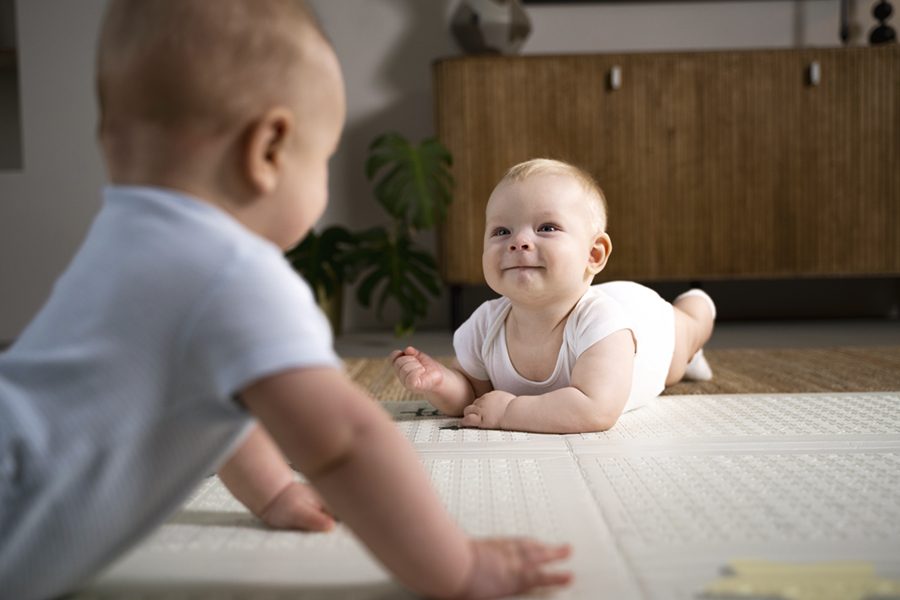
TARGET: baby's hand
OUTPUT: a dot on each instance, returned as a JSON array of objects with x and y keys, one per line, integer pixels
[
  {"x": 417, "y": 371},
  {"x": 512, "y": 566},
  {"x": 487, "y": 412},
  {"x": 298, "y": 506}
]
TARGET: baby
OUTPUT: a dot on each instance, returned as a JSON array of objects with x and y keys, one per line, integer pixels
[
  {"x": 179, "y": 337},
  {"x": 556, "y": 354}
]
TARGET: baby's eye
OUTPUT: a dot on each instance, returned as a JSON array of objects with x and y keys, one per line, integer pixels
[
  {"x": 499, "y": 231},
  {"x": 548, "y": 227}
]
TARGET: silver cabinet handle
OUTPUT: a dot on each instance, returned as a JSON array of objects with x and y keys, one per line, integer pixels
[
  {"x": 814, "y": 73},
  {"x": 615, "y": 77}
]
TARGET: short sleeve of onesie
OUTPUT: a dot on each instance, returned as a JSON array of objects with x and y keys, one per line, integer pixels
[
  {"x": 597, "y": 316},
  {"x": 259, "y": 319}
]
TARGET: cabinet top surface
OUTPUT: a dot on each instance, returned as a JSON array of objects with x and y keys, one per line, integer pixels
[{"x": 887, "y": 49}]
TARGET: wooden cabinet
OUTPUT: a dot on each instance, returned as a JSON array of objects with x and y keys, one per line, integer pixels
[{"x": 716, "y": 165}]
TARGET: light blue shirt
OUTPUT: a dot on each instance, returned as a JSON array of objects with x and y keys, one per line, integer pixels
[{"x": 120, "y": 395}]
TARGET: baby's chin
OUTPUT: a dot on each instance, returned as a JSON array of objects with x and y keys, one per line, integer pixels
[{"x": 520, "y": 283}]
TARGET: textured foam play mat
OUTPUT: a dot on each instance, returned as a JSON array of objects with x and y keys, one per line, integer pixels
[{"x": 789, "y": 496}]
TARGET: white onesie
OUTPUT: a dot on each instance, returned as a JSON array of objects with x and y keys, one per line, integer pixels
[{"x": 480, "y": 342}]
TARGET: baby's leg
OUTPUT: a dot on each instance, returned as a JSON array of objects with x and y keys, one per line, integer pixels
[{"x": 695, "y": 313}]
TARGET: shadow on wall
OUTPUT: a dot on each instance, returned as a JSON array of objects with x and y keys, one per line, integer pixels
[
  {"x": 404, "y": 78},
  {"x": 848, "y": 25},
  {"x": 427, "y": 37}
]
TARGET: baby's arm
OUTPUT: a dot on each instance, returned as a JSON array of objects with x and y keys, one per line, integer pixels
[
  {"x": 449, "y": 389},
  {"x": 601, "y": 382},
  {"x": 353, "y": 454},
  {"x": 260, "y": 478}
]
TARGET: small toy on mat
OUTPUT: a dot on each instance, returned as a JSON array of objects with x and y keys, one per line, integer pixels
[{"x": 840, "y": 580}]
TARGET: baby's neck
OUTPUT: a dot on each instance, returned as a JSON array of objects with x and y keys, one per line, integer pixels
[
  {"x": 534, "y": 336},
  {"x": 187, "y": 161},
  {"x": 202, "y": 166},
  {"x": 538, "y": 322}
]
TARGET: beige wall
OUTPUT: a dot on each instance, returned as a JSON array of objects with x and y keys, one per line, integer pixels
[
  {"x": 386, "y": 48},
  {"x": 46, "y": 207}
]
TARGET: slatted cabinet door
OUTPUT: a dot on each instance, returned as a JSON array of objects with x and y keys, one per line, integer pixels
[{"x": 715, "y": 164}]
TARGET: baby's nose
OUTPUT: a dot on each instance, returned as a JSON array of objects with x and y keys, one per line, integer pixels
[{"x": 519, "y": 245}]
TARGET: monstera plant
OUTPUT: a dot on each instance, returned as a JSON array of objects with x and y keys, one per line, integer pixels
[
  {"x": 322, "y": 259},
  {"x": 414, "y": 185}
]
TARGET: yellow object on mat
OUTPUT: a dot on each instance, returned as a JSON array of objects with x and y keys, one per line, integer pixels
[{"x": 801, "y": 581}]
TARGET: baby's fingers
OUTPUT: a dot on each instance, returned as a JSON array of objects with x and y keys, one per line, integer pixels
[
  {"x": 415, "y": 379},
  {"x": 509, "y": 566},
  {"x": 471, "y": 416},
  {"x": 407, "y": 367},
  {"x": 534, "y": 556},
  {"x": 538, "y": 578},
  {"x": 536, "y": 553},
  {"x": 406, "y": 364},
  {"x": 312, "y": 518},
  {"x": 298, "y": 507}
]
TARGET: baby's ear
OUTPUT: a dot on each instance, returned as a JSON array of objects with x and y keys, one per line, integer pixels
[
  {"x": 266, "y": 145},
  {"x": 600, "y": 251}
]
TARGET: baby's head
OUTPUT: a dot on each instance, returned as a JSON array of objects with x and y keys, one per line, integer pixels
[
  {"x": 545, "y": 231},
  {"x": 592, "y": 194},
  {"x": 232, "y": 100}
]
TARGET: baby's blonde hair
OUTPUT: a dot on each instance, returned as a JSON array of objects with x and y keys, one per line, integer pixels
[
  {"x": 177, "y": 64},
  {"x": 547, "y": 166}
]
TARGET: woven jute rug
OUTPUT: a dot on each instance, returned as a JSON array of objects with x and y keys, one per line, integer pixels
[{"x": 737, "y": 371}]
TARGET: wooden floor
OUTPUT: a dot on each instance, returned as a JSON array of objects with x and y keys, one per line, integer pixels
[
  {"x": 736, "y": 371},
  {"x": 789, "y": 370},
  {"x": 809, "y": 333},
  {"x": 788, "y": 356}
]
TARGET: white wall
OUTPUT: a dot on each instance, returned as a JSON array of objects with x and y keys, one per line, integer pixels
[
  {"x": 45, "y": 209},
  {"x": 386, "y": 48}
]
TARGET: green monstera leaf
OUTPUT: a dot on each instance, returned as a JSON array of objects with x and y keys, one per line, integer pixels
[
  {"x": 394, "y": 268},
  {"x": 413, "y": 183},
  {"x": 321, "y": 258}
]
